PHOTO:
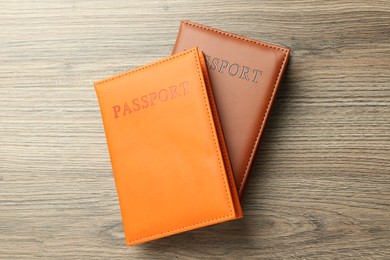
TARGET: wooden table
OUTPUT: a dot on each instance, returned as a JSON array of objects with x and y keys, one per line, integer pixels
[{"x": 320, "y": 187}]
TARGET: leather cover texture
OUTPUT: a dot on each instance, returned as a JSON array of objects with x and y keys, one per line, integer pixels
[
  {"x": 170, "y": 163},
  {"x": 245, "y": 75}
]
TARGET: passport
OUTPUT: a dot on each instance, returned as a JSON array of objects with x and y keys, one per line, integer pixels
[
  {"x": 169, "y": 159},
  {"x": 245, "y": 75}
]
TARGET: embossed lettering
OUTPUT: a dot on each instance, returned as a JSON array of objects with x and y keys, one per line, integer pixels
[
  {"x": 163, "y": 95},
  {"x": 152, "y": 99},
  {"x": 184, "y": 85},
  {"x": 145, "y": 102},
  {"x": 257, "y": 73},
  {"x": 233, "y": 69},
  {"x": 126, "y": 109},
  {"x": 224, "y": 65},
  {"x": 136, "y": 105},
  {"x": 215, "y": 63},
  {"x": 244, "y": 73},
  {"x": 116, "y": 110},
  {"x": 174, "y": 93}
]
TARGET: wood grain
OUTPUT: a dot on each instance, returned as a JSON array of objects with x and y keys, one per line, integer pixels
[{"x": 320, "y": 187}]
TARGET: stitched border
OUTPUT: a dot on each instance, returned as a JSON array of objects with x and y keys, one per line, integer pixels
[
  {"x": 194, "y": 51},
  {"x": 286, "y": 51}
]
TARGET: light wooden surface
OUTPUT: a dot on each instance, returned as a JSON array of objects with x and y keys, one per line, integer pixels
[{"x": 320, "y": 187}]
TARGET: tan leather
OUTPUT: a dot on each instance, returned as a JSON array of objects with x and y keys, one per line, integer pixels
[
  {"x": 245, "y": 75},
  {"x": 170, "y": 163}
]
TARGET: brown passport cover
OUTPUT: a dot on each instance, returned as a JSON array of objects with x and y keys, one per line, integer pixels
[{"x": 245, "y": 75}]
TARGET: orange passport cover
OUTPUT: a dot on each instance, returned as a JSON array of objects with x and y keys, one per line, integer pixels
[{"x": 169, "y": 159}]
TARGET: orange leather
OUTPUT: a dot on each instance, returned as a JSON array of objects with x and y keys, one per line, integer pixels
[{"x": 170, "y": 163}]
